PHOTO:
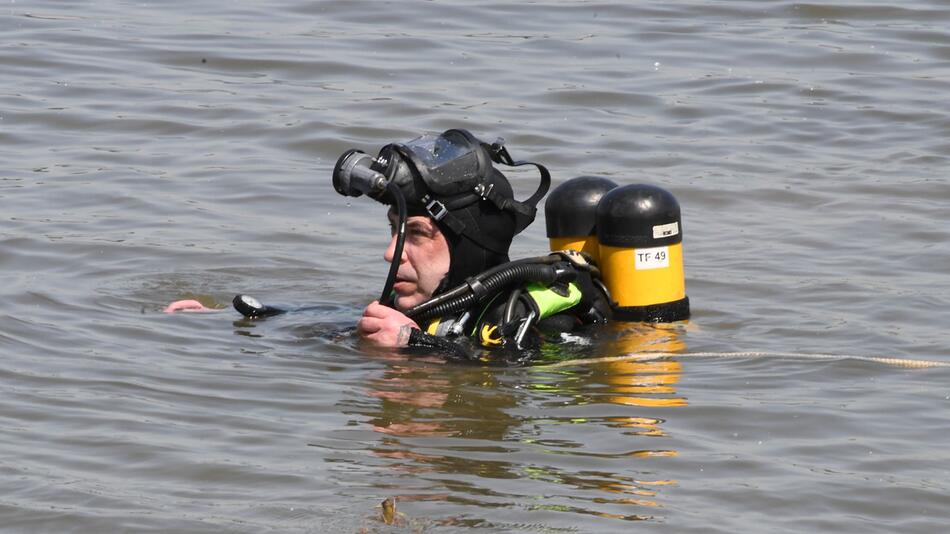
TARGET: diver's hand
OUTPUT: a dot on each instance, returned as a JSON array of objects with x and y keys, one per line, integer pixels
[
  {"x": 186, "y": 306},
  {"x": 385, "y": 327}
]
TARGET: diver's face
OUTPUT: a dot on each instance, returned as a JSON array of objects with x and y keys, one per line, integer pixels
[{"x": 424, "y": 263}]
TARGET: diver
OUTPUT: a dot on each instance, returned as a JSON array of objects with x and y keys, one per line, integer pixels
[
  {"x": 453, "y": 215},
  {"x": 460, "y": 218}
]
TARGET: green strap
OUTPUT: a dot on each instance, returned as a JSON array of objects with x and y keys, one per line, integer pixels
[{"x": 549, "y": 302}]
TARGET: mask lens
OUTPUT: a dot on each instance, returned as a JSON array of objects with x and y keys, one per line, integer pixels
[
  {"x": 448, "y": 163},
  {"x": 436, "y": 150}
]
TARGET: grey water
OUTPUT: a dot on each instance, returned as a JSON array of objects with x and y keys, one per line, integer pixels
[{"x": 154, "y": 151}]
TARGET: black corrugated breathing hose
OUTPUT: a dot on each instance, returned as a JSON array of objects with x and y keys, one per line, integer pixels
[{"x": 476, "y": 289}]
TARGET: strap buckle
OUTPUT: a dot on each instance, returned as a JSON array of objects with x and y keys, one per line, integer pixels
[
  {"x": 436, "y": 209},
  {"x": 498, "y": 152}
]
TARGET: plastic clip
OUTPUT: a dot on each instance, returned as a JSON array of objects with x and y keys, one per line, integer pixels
[{"x": 436, "y": 209}]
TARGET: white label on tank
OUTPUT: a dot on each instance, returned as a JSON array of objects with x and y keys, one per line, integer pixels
[
  {"x": 666, "y": 230},
  {"x": 652, "y": 258}
]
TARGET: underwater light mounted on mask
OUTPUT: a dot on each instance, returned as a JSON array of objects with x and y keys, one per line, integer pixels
[{"x": 353, "y": 175}]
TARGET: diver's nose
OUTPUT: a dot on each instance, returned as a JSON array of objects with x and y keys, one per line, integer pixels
[{"x": 391, "y": 249}]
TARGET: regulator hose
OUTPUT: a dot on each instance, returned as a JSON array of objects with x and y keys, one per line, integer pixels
[
  {"x": 546, "y": 270},
  {"x": 386, "y": 298},
  {"x": 462, "y": 289}
]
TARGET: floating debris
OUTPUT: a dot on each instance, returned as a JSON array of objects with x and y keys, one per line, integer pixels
[{"x": 389, "y": 515}]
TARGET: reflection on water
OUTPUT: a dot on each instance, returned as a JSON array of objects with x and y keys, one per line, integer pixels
[
  {"x": 489, "y": 438},
  {"x": 631, "y": 382},
  {"x": 426, "y": 397}
]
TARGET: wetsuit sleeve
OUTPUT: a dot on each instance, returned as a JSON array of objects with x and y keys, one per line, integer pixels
[{"x": 452, "y": 348}]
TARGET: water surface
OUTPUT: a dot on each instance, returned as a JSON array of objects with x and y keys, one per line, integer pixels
[{"x": 157, "y": 151}]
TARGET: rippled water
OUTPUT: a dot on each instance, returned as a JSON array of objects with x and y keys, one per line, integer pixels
[{"x": 157, "y": 151}]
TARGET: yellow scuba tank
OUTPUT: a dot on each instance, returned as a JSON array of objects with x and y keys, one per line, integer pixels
[
  {"x": 570, "y": 214},
  {"x": 641, "y": 253},
  {"x": 635, "y": 235}
]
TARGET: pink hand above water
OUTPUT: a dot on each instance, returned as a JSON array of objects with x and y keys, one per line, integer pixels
[{"x": 186, "y": 306}]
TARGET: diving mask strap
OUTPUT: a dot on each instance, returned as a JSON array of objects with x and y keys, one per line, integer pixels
[
  {"x": 441, "y": 210},
  {"x": 440, "y": 213},
  {"x": 525, "y": 210},
  {"x": 443, "y": 215}
]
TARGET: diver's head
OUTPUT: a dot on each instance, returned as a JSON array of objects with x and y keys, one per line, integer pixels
[
  {"x": 424, "y": 262},
  {"x": 450, "y": 179}
]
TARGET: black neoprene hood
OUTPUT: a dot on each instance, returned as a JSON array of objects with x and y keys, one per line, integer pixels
[{"x": 450, "y": 178}]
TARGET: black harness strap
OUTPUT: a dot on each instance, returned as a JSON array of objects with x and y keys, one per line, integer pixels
[{"x": 527, "y": 209}]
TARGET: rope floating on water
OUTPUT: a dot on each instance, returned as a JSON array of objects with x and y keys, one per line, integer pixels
[{"x": 643, "y": 356}]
